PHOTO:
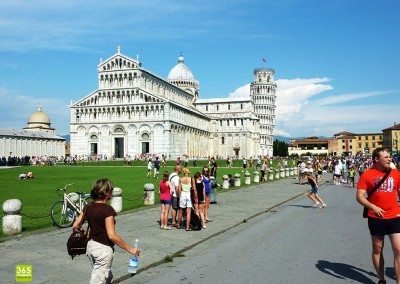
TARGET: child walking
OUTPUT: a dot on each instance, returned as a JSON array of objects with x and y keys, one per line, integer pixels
[{"x": 313, "y": 194}]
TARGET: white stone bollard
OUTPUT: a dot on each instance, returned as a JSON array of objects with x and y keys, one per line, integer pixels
[
  {"x": 148, "y": 194},
  {"x": 256, "y": 177},
  {"x": 237, "y": 179},
  {"x": 282, "y": 173},
  {"x": 12, "y": 221},
  {"x": 277, "y": 171},
  {"x": 295, "y": 171},
  {"x": 291, "y": 171},
  {"x": 270, "y": 175},
  {"x": 287, "y": 172},
  {"x": 247, "y": 178},
  {"x": 116, "y": 201},
  {"x": 225, "y": 182}
]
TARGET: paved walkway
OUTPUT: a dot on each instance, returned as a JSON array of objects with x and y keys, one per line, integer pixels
[{"x": 47, "y": 252}]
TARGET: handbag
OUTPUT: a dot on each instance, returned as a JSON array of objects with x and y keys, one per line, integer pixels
[
  {"x": 77, "y": 242},
  {"x": 365, "y": 210}
]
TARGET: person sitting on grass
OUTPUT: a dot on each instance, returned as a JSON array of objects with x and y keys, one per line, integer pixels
[{"x": 26, "y": 175}]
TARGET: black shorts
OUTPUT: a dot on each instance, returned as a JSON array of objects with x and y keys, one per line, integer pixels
[{"x": 381, "y": 227}]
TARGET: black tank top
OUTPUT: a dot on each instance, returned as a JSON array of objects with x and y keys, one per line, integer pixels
[{"x": 199, "y": 188}]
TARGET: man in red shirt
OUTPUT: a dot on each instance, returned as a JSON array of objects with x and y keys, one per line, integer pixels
[{"x": 383, "y": 209}]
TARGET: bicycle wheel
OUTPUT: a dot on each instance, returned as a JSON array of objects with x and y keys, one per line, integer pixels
[{"x": 62, "y": 218}]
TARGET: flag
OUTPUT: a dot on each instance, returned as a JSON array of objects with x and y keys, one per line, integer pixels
[{"x": 264, "y": 60}]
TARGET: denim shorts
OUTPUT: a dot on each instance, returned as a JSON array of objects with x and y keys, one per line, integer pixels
[
  {"x": 314, "y": 189},
  {"x": 166, "y": 202}
]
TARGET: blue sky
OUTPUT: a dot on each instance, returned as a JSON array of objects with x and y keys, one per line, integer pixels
[{"x": 336, "y": 62}]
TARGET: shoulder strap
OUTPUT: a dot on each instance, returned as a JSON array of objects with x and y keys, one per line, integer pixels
[
  {"x": 172, "y": 176},
  {"x": 380, "y": 182}
]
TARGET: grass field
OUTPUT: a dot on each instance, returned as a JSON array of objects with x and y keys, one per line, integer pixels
[{"x": 40, "y": 193}]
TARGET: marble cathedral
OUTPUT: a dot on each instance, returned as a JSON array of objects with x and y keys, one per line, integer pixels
[{"x": 135, "y": 111}]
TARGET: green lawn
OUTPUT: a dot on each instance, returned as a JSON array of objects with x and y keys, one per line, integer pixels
[{"x": 38, "y": 195}]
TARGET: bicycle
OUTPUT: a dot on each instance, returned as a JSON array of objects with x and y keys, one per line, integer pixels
[{"x": 64, "y": 212}]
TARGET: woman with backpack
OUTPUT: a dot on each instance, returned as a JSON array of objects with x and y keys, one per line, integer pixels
[{"x": 102, "y": 234}]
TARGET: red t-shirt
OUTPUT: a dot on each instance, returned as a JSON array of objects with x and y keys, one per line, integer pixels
[{"x": 386, "y": 195}]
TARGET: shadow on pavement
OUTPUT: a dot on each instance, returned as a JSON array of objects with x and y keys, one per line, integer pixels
[
  {"x": 345, "y": 271},
  {"x": 302, "y": 206}
]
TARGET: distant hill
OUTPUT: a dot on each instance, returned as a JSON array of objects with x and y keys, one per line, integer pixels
[
  {"x": 287, "y": 139},
  {"x": 282, "y": 138}
]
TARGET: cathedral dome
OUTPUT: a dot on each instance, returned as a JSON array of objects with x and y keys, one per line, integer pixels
[
  {"x": 180, "y": 72},
  {"x": 39, "y": 119}
]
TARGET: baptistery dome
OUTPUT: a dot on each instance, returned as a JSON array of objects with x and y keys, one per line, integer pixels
[
  {"x": 39, "y": 120},
  {"x": 182, "y": 77},
  {"x": 180, "y": 71}
]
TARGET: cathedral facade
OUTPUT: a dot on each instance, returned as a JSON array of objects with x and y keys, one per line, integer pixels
[{"x": 134, "y": 111}]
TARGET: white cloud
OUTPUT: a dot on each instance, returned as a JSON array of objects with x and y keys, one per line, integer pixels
[
  {"x": 243, "y": 91},
  {"x": 293, "y": 95},
  {"x": 348, "y": 97},
  {"x": 301, "y": 112}
]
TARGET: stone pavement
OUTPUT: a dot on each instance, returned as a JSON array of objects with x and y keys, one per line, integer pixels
[{"x": 47, "y": 252}]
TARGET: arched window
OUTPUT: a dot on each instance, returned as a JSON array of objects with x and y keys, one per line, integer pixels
[
  {"x": 145, "y": 136},
  {"x": 223, "y": 140}
]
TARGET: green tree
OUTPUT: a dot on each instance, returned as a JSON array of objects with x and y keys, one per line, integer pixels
[{"x": 280, "y": 148}]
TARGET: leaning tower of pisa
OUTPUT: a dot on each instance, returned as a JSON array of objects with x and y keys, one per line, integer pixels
[{"x": 262, "y": 91}]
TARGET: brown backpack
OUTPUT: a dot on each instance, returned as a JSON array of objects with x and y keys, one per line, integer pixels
[{"x": 77, "y": 242}]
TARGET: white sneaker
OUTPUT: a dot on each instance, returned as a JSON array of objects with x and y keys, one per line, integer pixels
[
  {"x": 323, "y": 206},
  {"x": 316, "y": 204}
]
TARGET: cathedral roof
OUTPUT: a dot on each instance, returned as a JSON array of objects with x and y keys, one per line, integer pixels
[
  {"x": 28, "y": 134},
  {"x": 223, "y": 100},
  {"x": 180, "y": 72}
]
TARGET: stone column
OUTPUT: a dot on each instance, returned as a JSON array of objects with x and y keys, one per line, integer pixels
[
  {"x": 286, "y": 172},
  {"x": 12, "y": 221},
  {"x": 291, "y": 171},
  {"x": 277, "y": 171},
  {"x": 225, "y": 182},
  {"x": 148, "y": 194},
  {"x": 116, "y": 201},
  {"x": 270, "y": 175},
  {"x": 282, "y": 173},
  {"x": 256, "y": 177},
  {"x": 237, "y": 180},
  {"x": 247, "y": 178}
]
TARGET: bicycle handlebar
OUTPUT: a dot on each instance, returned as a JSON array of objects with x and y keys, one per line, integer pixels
[{"x": 65, "y": 187}]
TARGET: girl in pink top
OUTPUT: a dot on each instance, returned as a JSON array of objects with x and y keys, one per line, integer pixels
[{"x": 165, "y": 200}]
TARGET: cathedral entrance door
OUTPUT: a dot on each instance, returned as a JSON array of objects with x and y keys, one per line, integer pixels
[
  {"x": 119, "y": 147},
  {"x": 236, "y": 149},
  {"x": 93, "y": 148},
  {"x": 145, "y": 147}
]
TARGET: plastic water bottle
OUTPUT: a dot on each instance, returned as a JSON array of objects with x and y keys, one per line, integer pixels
[{"x": 133, "y": 260}]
